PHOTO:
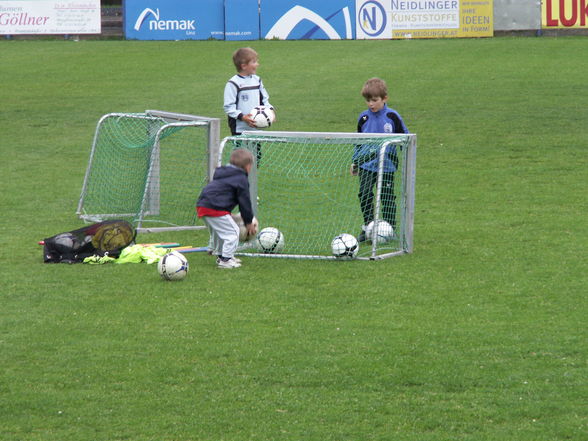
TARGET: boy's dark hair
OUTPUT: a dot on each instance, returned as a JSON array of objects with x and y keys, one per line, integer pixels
[
  {"x": 241, "y": 158},
  {"x": 243, "y": 56},
  {"x": 374, "y": 88}
]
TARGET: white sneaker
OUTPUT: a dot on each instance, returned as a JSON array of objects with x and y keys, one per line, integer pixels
[
  {"x": 236, "y": 259},
  {"x": 231, "y": 263}
]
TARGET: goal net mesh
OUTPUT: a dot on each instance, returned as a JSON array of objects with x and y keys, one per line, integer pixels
[
  {"x": 145, "y": 169},
  {"x": 302, "y": 185}
]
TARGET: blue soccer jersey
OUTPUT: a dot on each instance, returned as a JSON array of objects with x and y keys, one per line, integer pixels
[{"x": 385, "y": 120}]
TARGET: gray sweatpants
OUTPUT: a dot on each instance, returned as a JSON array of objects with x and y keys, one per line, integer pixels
[{"x": 224, "y": 235}]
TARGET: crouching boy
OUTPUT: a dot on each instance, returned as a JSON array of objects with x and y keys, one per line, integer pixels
[{"x": 229, "y": 187}]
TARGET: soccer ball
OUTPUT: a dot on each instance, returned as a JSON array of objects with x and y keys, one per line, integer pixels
[
  {"x": 173, "y": 266},
  {"x": 263, "y": 116},
  {"x": 345, "y": 246},
  {"x": 243, "y": 236},
  {"x": 382, "y": 233},
  {"x": 270, "y": 240}
]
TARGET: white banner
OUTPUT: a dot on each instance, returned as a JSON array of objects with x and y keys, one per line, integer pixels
[
  {"x": 373, "y": 19},
  {"x": 50, "y": 17},
  {"x": 425, "y": 14}
]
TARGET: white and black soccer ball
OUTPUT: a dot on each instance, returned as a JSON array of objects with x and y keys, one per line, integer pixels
[
  {"x": 173, "y": 266},
  {"x": 379, "y": 231},
  {"x": 345, "y": 246},
  {"x": 263, "y": 116},
  {"x": 270, "y": 240}
]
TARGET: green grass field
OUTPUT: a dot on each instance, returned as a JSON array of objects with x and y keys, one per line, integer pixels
[{"x": 478, "y": 335}]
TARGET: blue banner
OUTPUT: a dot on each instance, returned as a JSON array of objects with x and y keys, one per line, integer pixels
[
  {"x": 241, "y": 20},
  {"x": 308, "y": 19},
  {"x": 174, "y": 19}
]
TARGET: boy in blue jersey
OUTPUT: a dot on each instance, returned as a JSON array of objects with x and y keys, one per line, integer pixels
[
  {"x": 243, "y": 92},
  {"x": 379, "y": 118}
]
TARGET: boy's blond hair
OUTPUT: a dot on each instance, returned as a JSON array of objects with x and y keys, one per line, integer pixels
[
  {"x": 374, "y": 88},
  {"x": 243, "y": 56},
  {"x": 241, "y": 158}
]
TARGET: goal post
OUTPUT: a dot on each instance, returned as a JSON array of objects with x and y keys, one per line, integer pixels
[
  {"x": 301, "y": 183},
  {"x": 212, "y": 132},
  {"x": 149, "y": 168}
]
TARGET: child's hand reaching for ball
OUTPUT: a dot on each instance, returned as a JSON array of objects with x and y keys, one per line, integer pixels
[{"x": 252, "y": 228}]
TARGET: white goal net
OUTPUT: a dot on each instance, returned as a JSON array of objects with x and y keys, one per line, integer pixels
[
  {"x": 302, "y": 185},
  {"x": 149, "y": 168}
]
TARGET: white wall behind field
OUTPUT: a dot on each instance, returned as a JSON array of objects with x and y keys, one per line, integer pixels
[{"x": 512, "y": 15}]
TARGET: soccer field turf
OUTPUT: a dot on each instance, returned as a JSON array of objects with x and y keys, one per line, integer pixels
[{"x": 480, "y": 334}]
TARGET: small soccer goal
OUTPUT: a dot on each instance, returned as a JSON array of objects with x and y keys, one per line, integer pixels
[
  {"x": 149, "y": 168},
  {"x": 302, "y": 185}
]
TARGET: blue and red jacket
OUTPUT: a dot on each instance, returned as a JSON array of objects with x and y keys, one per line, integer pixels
[{"x": 229, "y": 187}]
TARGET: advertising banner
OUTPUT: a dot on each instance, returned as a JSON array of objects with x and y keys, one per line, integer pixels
[
  {"x": 307, "y": 19},
  {"x": 241, "y": 20},
  {"x": 50, "y": 17},
  {"x": 174, "y": 19},
  {"x": 564, "y": 14},
  {"x": 424, "y": 18},
  {"x": 373, "y": 19}
]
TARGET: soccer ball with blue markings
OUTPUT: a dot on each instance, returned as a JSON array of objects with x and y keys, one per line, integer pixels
[
  {"x": 379, "y": 231},
  {"x": 173, "y": 266}
]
